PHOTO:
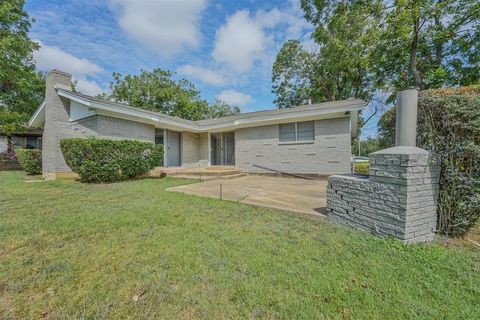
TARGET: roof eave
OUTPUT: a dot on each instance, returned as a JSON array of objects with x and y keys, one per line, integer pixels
[{"x": 38, "y": 117}]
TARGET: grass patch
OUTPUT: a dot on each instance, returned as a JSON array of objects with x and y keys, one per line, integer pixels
[{"x": 133, "y": 250}]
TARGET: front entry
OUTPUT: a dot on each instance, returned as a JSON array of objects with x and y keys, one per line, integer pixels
[
  {"x": 174, "y": 140},
  {"x": 222, "y": 149}
]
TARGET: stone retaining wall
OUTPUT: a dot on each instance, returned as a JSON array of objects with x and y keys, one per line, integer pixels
[{"x": 398, "y": 200}]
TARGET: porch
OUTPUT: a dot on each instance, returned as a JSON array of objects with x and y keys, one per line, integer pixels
[{"x": 203, "y": 173}]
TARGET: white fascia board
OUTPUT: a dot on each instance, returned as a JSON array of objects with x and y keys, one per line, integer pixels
[
  {"x": 230, "y": 125},
  {"x": 128, "y": 112},
  {"x": 279, "y": 118},
  {"x": 35, "y": 119}
]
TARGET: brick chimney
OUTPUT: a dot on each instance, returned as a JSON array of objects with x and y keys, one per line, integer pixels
[{"x": 57, "y": 123}]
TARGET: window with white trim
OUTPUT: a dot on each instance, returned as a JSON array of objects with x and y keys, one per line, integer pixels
[{"x": 297, "y": 131}]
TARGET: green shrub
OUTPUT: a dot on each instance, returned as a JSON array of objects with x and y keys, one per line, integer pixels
[
  {"x": 449, "y": 126},
  {"x": 361, "y": 168},
  {"x": 30, "y": 160},
  {"x": 103, "y": 160}
]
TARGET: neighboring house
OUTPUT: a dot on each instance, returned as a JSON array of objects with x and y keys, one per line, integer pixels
[
  {"x": 29, "y": 139},
  {"x": 312, "y": 139}
]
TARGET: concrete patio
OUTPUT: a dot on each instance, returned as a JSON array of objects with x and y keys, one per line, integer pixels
[{"x": 292, "y": 194}]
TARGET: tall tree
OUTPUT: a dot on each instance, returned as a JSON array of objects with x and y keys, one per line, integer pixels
[
  {"x": 346, "y": 32},
  {"x": 157, "y": 91},
  {"x": 429, "y": 44},
  {"x": 373, "y": 44},
  {"x": 21, "y": 88}
]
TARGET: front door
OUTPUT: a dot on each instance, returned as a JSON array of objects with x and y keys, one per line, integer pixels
[
  {"x": 173, "y": 148},
  {"x": 222, "y": 148}
]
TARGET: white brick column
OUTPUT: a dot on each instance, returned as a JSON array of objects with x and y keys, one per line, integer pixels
[{"x": 398, "y": 200}]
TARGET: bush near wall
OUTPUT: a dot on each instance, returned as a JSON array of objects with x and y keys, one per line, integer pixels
[
  {"x": 103, "y": 160},
  {"x": 30, "y": 160},
  {"x": 361, "y": 168},
  {"x": 449, "y": 126}
]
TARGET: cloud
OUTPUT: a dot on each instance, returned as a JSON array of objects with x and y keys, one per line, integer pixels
[
  {"x": 234, "y": 98},
  {"x": 239, "y": 42},
  {"x": 165, "y": 26},
  {"x": 52, "y": 57},
  {"x": 246, "y": 38},
  {"x": 203, "y": 74}
]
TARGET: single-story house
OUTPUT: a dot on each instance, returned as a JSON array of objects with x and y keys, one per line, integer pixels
[
  {"x": 31, "y": 138},
  {"x": 310, "y": 139}
]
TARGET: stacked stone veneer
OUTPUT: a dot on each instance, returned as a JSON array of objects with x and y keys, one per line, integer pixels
[{"x": 398, "y": 199}]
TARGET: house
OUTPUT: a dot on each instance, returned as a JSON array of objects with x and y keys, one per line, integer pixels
[
  {"x": 28, "y": 139},
  {"x": 311, "y": 139}
]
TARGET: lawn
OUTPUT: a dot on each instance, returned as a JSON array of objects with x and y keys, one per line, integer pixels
[{"x": 133, "y": 250}]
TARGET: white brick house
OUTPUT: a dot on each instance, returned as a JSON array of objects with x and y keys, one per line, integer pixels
[{"x": 311, "y": 139}]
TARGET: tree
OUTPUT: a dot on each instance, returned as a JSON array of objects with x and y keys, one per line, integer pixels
[
  {"x": 221, "y": 109},
  {"x": 373, "y": 44},
  {"x": 157, "y": 91},
  {"x": 345, "y": 33},
  {"x": 367, "y": 146},
  {"x": 386, "y": 128},
  {"x": 429, "y": 44},
  {"x": 21, "y": 88}
]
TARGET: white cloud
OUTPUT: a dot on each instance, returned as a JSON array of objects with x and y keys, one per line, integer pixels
[
  {"x": 51, "y": 57},
  {"x": 247, "y": 38},
  {"x": 240, "y": 42},
  {"x": 234, "y": 98},
  {"x": 203, "y": 74},
  {"x": 166, "y": 26}
]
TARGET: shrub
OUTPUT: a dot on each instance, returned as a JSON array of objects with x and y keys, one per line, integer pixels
[
  {"x": 30, "y": 160},
  {"x": 103, "y": 160},
  {"x": 449, "y": 126},
  {"x": 361, "y": 168}
]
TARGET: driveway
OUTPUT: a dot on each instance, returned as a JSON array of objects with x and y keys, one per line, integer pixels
[{"x": 292, "y": 194}]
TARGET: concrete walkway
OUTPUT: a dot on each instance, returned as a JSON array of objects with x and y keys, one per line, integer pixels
[{"x": 292, "y": 194}]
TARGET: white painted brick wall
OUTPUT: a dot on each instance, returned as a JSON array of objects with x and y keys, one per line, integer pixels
[
  {"x": 330, "y": 152},
  {"x": 398, "y": 200}
]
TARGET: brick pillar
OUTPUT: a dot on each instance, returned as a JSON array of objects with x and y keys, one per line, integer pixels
[
  {"x": 57, "y": 123},
  {"x": 416, "y": 172},
  {"x": 398, "y": 199}
]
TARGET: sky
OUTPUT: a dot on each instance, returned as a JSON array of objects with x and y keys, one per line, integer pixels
[{"x": 226, "y": 48}]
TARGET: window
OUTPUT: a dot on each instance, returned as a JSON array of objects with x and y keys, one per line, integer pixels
[
  {"x": 287, "y": 132},
  {"x": 297, "y": 131},
  {"x": 32, "y": 143},
  {"x": 159, "y": 136}
]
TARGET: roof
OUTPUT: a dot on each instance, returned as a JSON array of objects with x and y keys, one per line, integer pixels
[{"x": 121, "y": 110}]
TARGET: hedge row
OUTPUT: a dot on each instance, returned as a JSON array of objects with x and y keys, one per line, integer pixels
[
  {"x": 102, "y": 160},
  {"x": 449, "y": 126},
  {"x": 30, "y": 160}
]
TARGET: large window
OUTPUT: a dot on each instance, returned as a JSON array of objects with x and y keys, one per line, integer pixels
[{"x": 297, "y": 131}]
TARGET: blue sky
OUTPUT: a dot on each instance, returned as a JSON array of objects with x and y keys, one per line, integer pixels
[{"x": 226, "y": 48}]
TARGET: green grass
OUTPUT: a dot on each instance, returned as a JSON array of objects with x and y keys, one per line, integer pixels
[{"x": 133, "y": 250}]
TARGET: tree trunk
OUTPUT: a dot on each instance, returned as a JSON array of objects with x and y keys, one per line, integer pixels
[{"x": 413, "y": 55}]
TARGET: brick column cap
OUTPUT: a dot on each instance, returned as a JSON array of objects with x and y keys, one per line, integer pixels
[{"x": 401, "y": 150}]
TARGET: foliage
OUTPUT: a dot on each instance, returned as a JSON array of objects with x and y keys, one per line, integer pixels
[
  {"x": 104, "y": 160},
  {"x": 429, "y": 44},
  {"x": 11, "y": 121},
  {"x": 449, "y": 126},
  {"x": 345, "y": 35},
  {"x": 361, "y": 168},
  {"x": 221, "y": 109},
  {"x": 21, "y": 88},
  {"x": 157, "y": 91},
  {"x": 30, "y": 160},
  {"x": 367, "y": 146},
  {"x": 135, "y": 250},
  {"x": 386, "y": 128},
  {"x": 365, "y": 45}
]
